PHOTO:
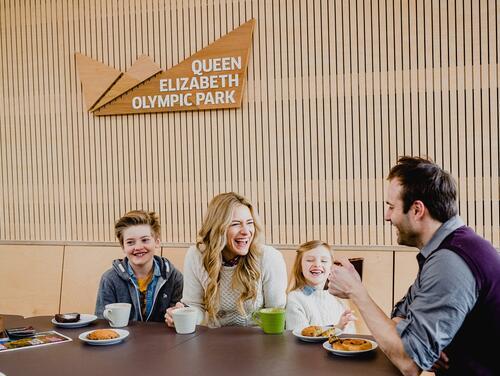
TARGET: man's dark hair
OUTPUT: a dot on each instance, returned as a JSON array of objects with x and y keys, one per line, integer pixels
[{"x": 423, "y": 180}]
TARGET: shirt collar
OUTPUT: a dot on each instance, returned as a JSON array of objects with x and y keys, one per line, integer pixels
[
  {"x": 156, "y": 269},
  {"x": 308, "y": 290},
  {"x": 442, "y": 232}
]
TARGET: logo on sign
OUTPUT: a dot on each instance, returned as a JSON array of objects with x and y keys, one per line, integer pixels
[{"x": 212, "y": 78}]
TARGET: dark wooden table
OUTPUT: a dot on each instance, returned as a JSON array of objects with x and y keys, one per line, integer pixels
[{"x": 154, "y": 349}]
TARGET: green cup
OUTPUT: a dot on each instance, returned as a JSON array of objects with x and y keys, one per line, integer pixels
[{"x": 271, "y": 320}]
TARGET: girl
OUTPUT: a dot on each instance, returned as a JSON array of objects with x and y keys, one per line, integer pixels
[
  {"x": 308, "y": 301},
  {"x": 229, "y": 274}
]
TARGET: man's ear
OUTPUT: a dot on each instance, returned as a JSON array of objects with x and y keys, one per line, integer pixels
[{"x": 418, "y": 209}]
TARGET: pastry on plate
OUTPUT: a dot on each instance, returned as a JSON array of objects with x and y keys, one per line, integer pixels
[
  {"x": 312, "y": 331},
  {"x": 101, "y": 334},
  {"x": 67, "y": 317},
  {"x": 349, "y": 344},
  {"x": 328, "y": 332}
]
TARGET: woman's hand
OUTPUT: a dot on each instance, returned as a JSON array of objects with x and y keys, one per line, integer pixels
[
  {"x": 346, "y": 317},
  {"x": 168, "y": 315}
]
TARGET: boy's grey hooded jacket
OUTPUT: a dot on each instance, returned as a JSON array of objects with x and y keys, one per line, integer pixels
[{"x": 117, "y": 287}]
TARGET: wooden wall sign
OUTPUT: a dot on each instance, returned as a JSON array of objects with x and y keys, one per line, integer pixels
[{"x": 212, "y": 78}]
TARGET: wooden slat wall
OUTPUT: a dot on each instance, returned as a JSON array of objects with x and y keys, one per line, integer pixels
[{"x": 336, "y": 91}]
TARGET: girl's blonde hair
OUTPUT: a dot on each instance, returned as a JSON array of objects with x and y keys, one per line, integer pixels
[
  {"x": 297, "y": 280},
  {"x": 211, "y": 241}
]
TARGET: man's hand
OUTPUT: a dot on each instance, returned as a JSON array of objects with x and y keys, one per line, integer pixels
[
  {"x": 345, "y": 282},
  {"x": 168, "y": 315},
  {"x": 343, "y": 279}
]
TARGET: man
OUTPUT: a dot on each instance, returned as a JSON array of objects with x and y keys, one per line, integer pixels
[{"x": 449, "y": 320}]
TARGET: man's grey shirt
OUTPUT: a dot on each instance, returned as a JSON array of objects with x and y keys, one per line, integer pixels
[{"x": 437, "y": 303}]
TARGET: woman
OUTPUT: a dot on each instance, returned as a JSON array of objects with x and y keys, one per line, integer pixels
[{"x": 229, "y": 274}]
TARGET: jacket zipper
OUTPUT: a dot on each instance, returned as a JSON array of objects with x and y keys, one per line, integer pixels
[{"x": 138, "y": 305}]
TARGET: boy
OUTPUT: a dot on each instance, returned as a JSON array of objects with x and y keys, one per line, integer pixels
[{"x": 150, "y": 283}]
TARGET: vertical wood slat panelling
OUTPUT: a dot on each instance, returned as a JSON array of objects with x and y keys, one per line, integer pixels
[
  {"x": 494, "y": 50},
  {"x": 336, "y": 91},
  {"x": 4, "y": 116}
]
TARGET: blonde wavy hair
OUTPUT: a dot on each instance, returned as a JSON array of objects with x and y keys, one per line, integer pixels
[
  {"x": 297, "y": 280},
  {"x": 211, "y": 241}
]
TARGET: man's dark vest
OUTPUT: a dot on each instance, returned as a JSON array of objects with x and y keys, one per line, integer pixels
[{"x": 475, "y": 349}]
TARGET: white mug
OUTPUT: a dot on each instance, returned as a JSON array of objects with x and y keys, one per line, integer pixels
[
  {"x": 184, "y": 320},
  {"x": 117, "y": 314}
]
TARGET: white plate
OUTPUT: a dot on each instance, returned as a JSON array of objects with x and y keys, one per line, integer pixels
[
  {"x": 85, "y": 319},
  {"x": 103, "y": 342},
  {"x": 297, "y": 334},
  {"x": 329, "y": 348}
]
